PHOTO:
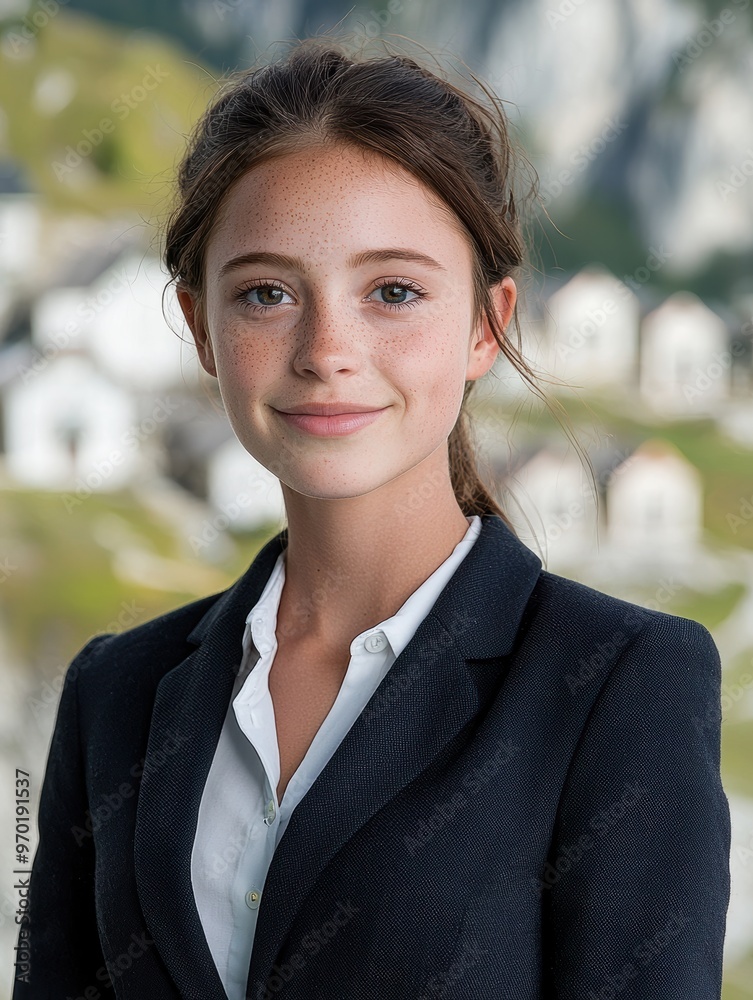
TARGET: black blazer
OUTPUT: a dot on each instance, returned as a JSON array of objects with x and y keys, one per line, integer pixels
[{"x": 529, "y": 807}]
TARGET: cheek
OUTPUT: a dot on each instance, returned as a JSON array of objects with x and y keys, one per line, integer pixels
[
  {"x": 434, "y": 395},
  {"x": 240, "y": 361},
  {"x": 445, "y": 370}
]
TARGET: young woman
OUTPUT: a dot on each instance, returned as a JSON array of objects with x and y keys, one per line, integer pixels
[{"x": 397, "y": 758}]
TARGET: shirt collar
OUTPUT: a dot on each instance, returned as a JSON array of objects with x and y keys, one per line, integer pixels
[{"x": 261, "y": 621}]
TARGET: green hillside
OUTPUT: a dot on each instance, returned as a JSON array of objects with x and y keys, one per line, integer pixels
[
  {"x": 63, "y": 578},
  {"x": 97, "y": 115}
]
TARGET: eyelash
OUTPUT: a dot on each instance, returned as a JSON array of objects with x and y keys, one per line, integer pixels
[{"x": 390, "y": 283}]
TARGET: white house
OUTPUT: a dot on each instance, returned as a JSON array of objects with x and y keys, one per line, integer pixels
[
  {"x": 118, "y": 318},
  {"x": 655, "y": 502},
  {"x": 69, "y": 427},
  {"x": 685, "y": 357},
  {"x": 592, "y": 327},
  {"x": 60, "y": 318},
  {"x": 131, "y": 338},
  {"x": 553, "y": 508}
]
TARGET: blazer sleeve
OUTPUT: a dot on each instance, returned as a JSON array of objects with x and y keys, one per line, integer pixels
[
  {"x": 60, "y": 937},
  {"x": 638, "y": 882}
]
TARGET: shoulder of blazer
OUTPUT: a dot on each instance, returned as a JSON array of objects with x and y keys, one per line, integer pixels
[
  {"x": 559, "y": 597},
  {"x": 587, "y": 637},
  {"x": 140, "y": 654}
]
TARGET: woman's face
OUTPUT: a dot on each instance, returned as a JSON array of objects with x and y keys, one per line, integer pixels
[{"x": 367, "y": 300}]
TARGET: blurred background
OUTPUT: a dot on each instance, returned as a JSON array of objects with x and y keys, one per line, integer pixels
[{"x": 124, "y": 493}]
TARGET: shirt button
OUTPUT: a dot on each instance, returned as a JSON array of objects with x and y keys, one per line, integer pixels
[
  {"x": 374, "y": 643},
  {"x": 270, "y": 812},
  {"x": 253, "y": 897}
]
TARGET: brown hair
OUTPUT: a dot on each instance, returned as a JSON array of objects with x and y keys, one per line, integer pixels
[{"x": 458, "y": 145}]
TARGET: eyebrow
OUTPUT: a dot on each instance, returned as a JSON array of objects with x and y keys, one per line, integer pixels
[{"x": 355, "y": 260}]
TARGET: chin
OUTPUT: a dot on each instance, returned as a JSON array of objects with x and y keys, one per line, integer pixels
[{"x": 333, "y": 488}]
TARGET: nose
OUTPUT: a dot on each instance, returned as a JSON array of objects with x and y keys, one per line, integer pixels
[{"x": 328, "y": 339}]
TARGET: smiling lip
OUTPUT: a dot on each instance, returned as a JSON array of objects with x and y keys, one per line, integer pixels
[
  {"x": 332, "y": 425},
  {"x": 329, "y": 409}
]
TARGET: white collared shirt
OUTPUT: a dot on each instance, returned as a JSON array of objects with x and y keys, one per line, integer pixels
[{"x": 240, "y": 821}]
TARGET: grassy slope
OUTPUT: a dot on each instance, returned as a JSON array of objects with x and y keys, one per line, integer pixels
[
  {"x": 132, "y": 166},
  {"x": 64, "y": 589}
]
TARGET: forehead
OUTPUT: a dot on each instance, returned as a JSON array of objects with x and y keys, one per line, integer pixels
[{"x": 326, "y": 203}]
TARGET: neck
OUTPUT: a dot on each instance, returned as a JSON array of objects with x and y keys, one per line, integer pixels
[{"x": 352, "y": 563}]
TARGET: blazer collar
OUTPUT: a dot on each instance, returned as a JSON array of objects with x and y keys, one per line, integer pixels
[
  {"x": 492, "y": 578},
  {"x": 476, "y": 617}
]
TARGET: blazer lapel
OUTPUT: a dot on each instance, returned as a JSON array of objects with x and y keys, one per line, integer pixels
[
  {"x": 436, "y": 692},
  {"x": 191, "y": 703}
]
